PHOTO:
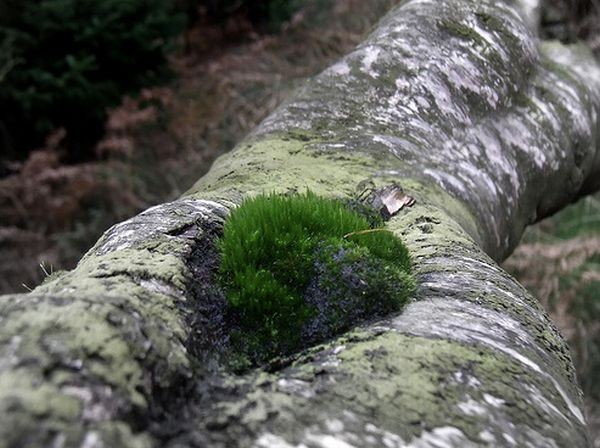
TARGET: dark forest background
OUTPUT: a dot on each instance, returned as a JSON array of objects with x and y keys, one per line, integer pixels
[{"x": 110, "y": 106}]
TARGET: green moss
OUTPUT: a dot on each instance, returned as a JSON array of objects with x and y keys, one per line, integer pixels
[{"x": 300, "y": 268}]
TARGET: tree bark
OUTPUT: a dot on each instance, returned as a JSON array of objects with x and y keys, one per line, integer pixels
[{"x": 458, "y": 102}]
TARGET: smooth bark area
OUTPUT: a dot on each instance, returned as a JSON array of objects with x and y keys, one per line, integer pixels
[{"x": 457, "y": 102}]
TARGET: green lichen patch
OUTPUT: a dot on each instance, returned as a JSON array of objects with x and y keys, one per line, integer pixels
[
  {"x": 280, "y": 164},
  {"x": 297, "y": 269},
  {"x": 407, "y": 381},
  {"x": 397, "y": 385}
]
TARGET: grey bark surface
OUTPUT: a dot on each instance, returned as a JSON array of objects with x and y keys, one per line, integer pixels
[{"x": 459, "y": 103}]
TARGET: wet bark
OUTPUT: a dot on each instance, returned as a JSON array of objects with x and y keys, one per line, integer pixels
[{"x": 456, "y": 101}]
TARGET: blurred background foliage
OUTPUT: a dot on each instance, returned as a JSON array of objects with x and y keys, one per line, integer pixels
[
  {"x": 268, "y": 15},
  {"x": 110, "y": 106},
  {"x": 66, "y": 61}
]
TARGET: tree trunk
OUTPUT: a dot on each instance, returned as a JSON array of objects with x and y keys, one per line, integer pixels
[{"x": 485, "y": 127}]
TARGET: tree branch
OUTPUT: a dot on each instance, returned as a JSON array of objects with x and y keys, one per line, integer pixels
[{"x": 486, "y": 129}]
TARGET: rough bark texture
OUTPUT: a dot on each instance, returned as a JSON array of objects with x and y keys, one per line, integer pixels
[{"x": 459, "y": 103}]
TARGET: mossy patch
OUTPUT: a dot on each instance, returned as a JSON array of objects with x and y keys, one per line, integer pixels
[{"x": 301, "y": 268}]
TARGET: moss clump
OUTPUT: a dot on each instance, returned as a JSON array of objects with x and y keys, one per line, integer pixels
[{"x": 298, "y": 269}]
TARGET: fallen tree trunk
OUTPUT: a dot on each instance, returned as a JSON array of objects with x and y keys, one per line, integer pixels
[{"x": 457, "y": 103}]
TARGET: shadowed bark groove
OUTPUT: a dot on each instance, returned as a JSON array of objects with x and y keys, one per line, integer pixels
[{"x": 486, "y": 127}]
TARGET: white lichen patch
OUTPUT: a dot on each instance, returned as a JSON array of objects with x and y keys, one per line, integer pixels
[
  {"x": 487, "y": 437},
  {"x": 510, "y": 440},
  {"x": 493, "y": 401},
  {"x": 381, "y": 437},
  {"x": 327, "y": 441},
  {"x": 9, "y": 357},
  {"x": 347, "y": 430},
  {"x": 396, "y": 145},
  {"x": 296, "y": 387},
  {"x": 161, "y": 287},
  {"x": 93, "y": 409},
  {"x": 92, "y": 440},
  {"x": 445, "y": 179},
  {"x": 340, "y": 69},
  {"x": 464, "y": 75},
  {"x": 370, "y": 56},
  {"x": 469, "y": 380},
  {"x": 155, "y": 221},
  {"x": 339, "y": 349},
  {"x": 268, "y": 440},
  {"x": 334, "y": 425},
  {"x": 442, "y": 437},
  {"x": 494, "y": 149},
  {"x": 472, "y": 408}
]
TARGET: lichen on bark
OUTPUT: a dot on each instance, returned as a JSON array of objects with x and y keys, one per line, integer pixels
[{"x": 459, "y": 103}]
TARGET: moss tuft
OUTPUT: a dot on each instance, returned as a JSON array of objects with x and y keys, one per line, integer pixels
[{"x": 302, "y": 268}]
